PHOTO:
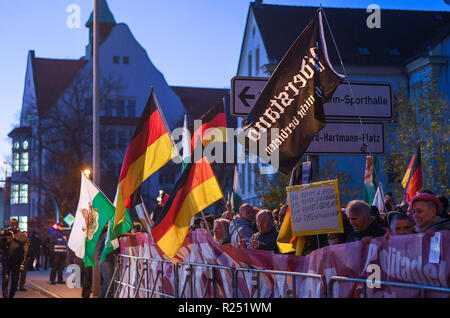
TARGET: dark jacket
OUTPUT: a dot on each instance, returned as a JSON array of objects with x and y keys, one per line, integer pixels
[
  {"x": 268, "y": 240},
  {"x": 374, "y": 230},
  {"x": 439, "y": 224},
  {"x": 12, "y": 248},
  {"x": 245, "y": 228}
]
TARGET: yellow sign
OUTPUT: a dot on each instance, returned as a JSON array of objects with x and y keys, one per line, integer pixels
[{"x": 315, "y": 208}]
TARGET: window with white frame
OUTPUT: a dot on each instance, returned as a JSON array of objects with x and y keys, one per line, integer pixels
[
  {"x": 23, "y": 194},
  {"x": 24, "y": 162},
  {"x": 14, "y": 194},
  {"x": 16, "y": 162}
]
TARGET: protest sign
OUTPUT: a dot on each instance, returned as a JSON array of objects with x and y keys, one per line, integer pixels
[{"x": 315, "y": 208}]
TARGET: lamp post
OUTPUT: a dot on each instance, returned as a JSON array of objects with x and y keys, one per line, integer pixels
[
  {"x": 5, "y": 165},
  {"x": 96, "y": 279}
]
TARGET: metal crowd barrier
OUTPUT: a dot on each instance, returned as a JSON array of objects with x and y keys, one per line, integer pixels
[
  {"x": 363, "y": 290},
  {"x": 125, "y": 262}
]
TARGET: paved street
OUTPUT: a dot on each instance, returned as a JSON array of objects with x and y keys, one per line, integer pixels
[{"x": 37, "y": 287}]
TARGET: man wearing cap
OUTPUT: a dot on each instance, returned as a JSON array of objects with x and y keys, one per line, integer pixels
[{"x": 424, "y": 208}]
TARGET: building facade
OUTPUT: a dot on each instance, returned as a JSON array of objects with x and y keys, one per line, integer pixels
[
  {"x": 55, "y": 129},
  {"x": 399, "y": 52}
]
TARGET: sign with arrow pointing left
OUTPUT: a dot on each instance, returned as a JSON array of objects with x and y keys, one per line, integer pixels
[{"x": 245, "y": 91}]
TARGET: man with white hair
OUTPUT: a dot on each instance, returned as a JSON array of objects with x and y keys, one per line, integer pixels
[{"x": 362, "y": 222}]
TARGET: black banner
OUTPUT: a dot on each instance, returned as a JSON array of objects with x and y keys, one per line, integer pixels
[{"x": 292, "y": 100}]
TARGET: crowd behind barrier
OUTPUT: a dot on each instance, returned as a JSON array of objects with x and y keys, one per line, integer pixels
[{"x": 204, "y": 269}]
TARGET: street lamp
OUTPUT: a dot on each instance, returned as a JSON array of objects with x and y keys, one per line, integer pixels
[{"x": 87, "y": 172}]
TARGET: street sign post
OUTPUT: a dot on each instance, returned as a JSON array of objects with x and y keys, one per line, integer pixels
[
  {"x": 366, "y": 100},
  {"x": 348, "y": 138}
]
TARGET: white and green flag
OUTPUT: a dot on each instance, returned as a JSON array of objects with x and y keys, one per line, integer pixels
[
  {"x": 236, "y": 198},
  {"x": 370, "y": 178},
  {"x": 93, "y": 212}
]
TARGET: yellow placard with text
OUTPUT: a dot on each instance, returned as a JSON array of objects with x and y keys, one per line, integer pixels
[{"x": 315, "y": 208}]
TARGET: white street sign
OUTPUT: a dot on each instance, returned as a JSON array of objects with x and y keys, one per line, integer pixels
[
  {"x": 244, "y": 93},
  {"x": 348, "y": 138},
  {"x": 369, "y": 100}
]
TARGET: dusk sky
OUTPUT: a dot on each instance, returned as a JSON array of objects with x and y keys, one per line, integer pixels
[{"x": 192, "y": 42}]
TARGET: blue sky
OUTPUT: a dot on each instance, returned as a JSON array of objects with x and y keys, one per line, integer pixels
[{"x": 192, "y": 42}]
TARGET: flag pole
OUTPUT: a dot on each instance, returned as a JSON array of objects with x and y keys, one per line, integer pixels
[{"x": 96, "y": 279}]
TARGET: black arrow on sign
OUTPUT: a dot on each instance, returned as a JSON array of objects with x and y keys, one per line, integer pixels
[{"x": 243, "y": 96}]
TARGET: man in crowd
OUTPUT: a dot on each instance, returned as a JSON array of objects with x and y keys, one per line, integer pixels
[
  {"x": 58, "y": 252},
  {"x": 266, "y": 237},
  {"x": 281, "y": 215},
  {"x": 12, "y": 244},
  {"x": 362, "y": 222},
  {"x": 401, "y": 224},
  {"x": 424, "y": 209},
  {"x": 221, "y": 231},
  {"x": 242, "y": 226}
]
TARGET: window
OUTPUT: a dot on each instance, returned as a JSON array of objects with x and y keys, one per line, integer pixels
[
  {"x": 126, "y": 60},
  {"x": 120, "y": 107},
  {"x": 23, "y": 194},
  {"x": 122, "y": 139},
  {"x": 394, "y": 52},
  {"x": 14, "y": 194},
  {"x": 116, "y": 59},
  {"x": 111, "y": 139},
  {"x": 23, "y": 223},
  {"x": 109, "y": 107},
  {"x": 24, "y": 162},
  {"x": 16, "y": 161},
  {"x": 249, "y": 65},
  {"x": 363, "y": 51},
  {"x": 25, "y": 145},
  {"x": 131, "y": 107},
  {"x": 257, "y": 61},
  {"x": 16, "y": 145}
]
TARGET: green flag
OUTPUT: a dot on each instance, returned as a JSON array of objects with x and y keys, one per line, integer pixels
[
  {"x": 93, "y": 212},
  {"x": 112, "y": 238}
]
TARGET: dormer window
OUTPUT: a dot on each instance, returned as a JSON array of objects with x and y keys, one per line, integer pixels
[
  {"x": 394, "y": 52},
  {"x": 363, "y": 51}
]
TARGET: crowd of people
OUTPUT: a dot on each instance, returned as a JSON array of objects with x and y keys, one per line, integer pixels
[
  {"x": 250, "y": 228},
  {"x": 22, "y": 252},
  {"x": 257, "y": 228}
]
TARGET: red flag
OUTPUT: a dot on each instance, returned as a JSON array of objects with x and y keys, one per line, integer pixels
[{"x": 414, "y": 175}]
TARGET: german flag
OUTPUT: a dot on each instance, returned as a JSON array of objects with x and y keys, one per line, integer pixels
[
  {"x": 413, "y": 180},
  {"x": 196, "y": 189},
  {"x": 149, "y": 150},
  {"x": 213, "y": 128}
]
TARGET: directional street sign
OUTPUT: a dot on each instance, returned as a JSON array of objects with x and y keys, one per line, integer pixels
[
  {"x": 366, "y": 100},
  {"x": 348, "y": 138},
  {"x": 244, "y": 93},
  {"x": 69, "y": 219}
]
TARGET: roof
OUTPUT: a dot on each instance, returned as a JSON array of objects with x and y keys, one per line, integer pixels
[
  {"x": 199, "y": 100},
  {"x": 105, "y": 14},
  {"x": 51, "y": 78},
  {"x": 23, "y": 131},
  {"x": 401, "y": 30}
]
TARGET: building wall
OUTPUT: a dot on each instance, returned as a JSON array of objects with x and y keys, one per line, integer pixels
[{"x": 396, "y": 76}]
